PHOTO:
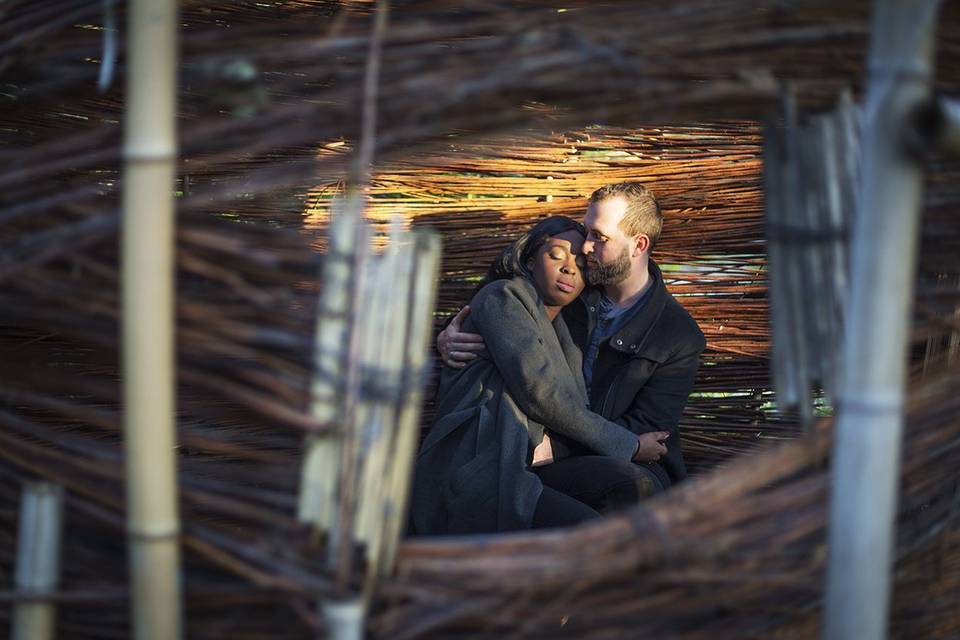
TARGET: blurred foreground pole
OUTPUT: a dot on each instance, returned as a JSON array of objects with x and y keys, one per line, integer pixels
[
  {"x": 148, "y": 319},
  {"x": 866, "y": 458},
  {"x": 38, "y": 560}
]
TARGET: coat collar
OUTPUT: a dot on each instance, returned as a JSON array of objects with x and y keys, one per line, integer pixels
[
  {"x": 570, "y": 349},
  {"x": 631, "y": 338}
]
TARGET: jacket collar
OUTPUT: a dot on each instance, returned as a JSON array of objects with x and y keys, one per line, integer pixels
[{"x": 630, "y": 339}]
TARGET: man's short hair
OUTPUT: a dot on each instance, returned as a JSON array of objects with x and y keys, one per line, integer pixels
[{"x": 643, "y": 211}]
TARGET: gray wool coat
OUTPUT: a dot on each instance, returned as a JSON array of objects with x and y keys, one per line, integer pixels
[{"x": 472, "y": 474}]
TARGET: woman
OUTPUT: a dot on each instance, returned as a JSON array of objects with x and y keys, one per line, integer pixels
[{"x": 475, "y": 469}]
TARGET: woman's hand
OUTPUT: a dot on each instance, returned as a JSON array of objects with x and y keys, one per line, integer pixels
[
  {"x": 651, "y": 446},
  {"x": 457, "y": 348}
]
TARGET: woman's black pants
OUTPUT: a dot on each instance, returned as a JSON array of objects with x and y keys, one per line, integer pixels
[{"x": 583, "y": 488}]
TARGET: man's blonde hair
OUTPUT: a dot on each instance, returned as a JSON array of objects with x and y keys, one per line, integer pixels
[{"x": 643, "y": 211}]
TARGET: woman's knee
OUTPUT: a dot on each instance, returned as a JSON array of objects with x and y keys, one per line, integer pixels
[
  {"x": 636, "y": 484},
  {"x": 555, "y": 509}
]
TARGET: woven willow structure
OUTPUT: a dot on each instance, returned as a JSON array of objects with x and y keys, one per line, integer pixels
[{"x": 491, "y": 117}]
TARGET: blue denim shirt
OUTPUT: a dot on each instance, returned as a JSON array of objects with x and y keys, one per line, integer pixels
[{"x": 609, "y": 320}]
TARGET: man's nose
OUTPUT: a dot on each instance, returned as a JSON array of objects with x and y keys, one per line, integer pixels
[{"x": 587, "y": 247}]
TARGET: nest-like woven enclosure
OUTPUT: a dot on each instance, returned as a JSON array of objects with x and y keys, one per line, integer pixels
[
  {"x": 480, "y": 193},
  {"x": 479, "y": 105}
]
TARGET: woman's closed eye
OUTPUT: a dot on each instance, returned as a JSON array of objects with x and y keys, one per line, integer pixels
[{"x": 562, "y": 256}]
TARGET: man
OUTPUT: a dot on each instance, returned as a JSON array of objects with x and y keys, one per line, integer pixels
[{"x": 640, "y": 348}]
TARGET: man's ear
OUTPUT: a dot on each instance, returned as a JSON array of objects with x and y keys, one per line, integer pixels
[{"x": 641, "y": 243}]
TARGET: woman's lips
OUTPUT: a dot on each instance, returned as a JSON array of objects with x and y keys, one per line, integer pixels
[{"x": 566, "y": 287}]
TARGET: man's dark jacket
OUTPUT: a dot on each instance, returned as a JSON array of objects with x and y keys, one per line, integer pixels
[
  {"x": 472, "y": 473},
  {"x": 645, "y": 372}
]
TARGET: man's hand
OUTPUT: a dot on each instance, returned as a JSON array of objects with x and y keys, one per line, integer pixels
[
  {"x": 651, "y": 446},
  {"x": 456, "y": 348}
]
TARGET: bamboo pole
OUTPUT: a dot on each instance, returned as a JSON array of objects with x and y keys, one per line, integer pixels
[
  {"x": 796, "y": 265},
  {"x": 422, "y": 300},
  {"x": 362, "y": 164},
  {"x": 38, "y": 559},
  {"x": 321, "y": 466},
  {"x": 776, "y": 195},
  {"x": 148, "y": 319},
  {"x": 866, "y": 458},
  {"x": 396, "y": 355},
  {"x": 382, "y": 359},
  {"x": 841, "y": 208},
  {"x": 341, "y": 556}
]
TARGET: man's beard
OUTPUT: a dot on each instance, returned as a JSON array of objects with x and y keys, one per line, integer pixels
[{"x": 612, "y": 272}]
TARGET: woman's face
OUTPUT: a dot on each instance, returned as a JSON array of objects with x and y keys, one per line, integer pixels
[{"x": 558, "y": 269}]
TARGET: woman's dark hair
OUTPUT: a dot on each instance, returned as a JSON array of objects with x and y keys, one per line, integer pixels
[{"x": 513, "y": 260}]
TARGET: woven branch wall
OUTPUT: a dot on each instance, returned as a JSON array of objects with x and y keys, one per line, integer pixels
[{"x": 481, "y": 192}]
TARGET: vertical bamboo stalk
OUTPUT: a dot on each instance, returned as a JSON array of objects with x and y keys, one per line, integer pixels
[
  {"x": 359, "y": 417},
  {"x": 148, "y": 318},
  {"x": 426, "y": 253},
  {"x": 321, "y": 466},
  {"x": 841, "y": 168},
  {"x": 360, "y": 177},
  {"x": 817, "y": 157},
  {"x": 852, "y": 154},
  {"x": 828, "y": 214},
  {"x": 326, "y": 471},
  {"x": 341, "y": 558},
  {"x": 383, "y": 365},
  {"x": 775, "y": 196},
  {"x": 795, "y": 258},
  {"x": 866, "y": 458},
  {"x": 38, "y": 559}
]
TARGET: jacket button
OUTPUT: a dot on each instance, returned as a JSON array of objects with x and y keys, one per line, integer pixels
[
  {"x": 619, "y": 343},
  {"x": 592, "y": 309},
  {"x": 633, "y": 346}
]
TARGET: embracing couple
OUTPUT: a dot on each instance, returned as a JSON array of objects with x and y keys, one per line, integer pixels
[{"x": 564, "y": 379}]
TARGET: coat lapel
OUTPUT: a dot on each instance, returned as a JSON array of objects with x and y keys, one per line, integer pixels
[{"x": 571, "y": 352}]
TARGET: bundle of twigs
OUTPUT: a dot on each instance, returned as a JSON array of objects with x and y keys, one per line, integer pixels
[
  {"x": 628, "y": 62},
  {"x": 738, "y": 553}
]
